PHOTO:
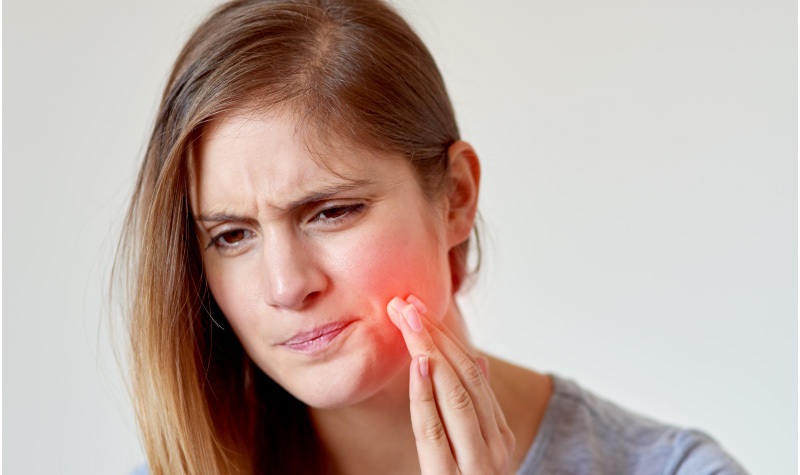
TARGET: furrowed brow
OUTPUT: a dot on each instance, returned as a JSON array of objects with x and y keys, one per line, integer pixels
[
  {"x": 326, "y": 193},
  {"x": 314, "y": 196},
  {"x": 219, "y": 217}
]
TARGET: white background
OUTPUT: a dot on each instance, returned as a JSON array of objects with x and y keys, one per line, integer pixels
[{"x": 640, "y": 198}]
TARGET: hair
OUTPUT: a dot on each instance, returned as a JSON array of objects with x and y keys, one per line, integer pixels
[{"x": 351, "y": 69}]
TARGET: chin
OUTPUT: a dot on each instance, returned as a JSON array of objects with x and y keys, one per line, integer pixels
[{"x": 345, "y": 385}]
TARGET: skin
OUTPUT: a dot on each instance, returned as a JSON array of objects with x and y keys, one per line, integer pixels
[{"x": 298, "y": 233}]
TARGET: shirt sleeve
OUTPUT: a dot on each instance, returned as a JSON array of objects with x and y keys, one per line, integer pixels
[{"x": 698, "y": 454}]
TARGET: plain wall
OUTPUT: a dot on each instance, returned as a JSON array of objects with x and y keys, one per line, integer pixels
[{"x": 639, "y": 196}]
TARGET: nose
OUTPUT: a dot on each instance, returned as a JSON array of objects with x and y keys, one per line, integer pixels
[{"x": 294, "y": 277}]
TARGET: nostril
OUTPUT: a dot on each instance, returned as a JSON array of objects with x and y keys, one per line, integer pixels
[{"x": 311, "y": 296}]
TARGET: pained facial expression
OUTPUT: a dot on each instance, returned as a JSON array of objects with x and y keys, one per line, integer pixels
[{"x": 292, "y": 246}]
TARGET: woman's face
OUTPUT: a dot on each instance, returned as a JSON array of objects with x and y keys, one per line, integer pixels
[{"x": 295, "y": 249}]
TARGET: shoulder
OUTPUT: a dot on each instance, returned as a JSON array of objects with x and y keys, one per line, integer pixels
[
  {"x": 583, "y": 433},
  {"x": 140, "y": 470}
]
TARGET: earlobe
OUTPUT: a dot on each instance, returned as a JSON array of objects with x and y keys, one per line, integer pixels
[{"x": 465, "y": 177}]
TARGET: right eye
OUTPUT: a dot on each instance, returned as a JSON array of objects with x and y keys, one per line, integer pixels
[{"x": 231, "y": 238}]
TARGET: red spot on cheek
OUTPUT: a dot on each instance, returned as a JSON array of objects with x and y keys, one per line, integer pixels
[
  {"x": 404, "y": 282},
  {"x": 395, "y": 263}
]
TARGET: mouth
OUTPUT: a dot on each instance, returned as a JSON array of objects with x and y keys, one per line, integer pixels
[{"x": 316, "y": 339}]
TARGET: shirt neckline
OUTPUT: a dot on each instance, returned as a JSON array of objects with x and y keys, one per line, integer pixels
[{"x": 544, "y": 433}]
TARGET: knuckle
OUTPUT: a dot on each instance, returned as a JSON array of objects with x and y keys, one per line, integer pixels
[
  {"x": 472, "y": 374},
  {"x": 428, "y": 346},
  {"x": 458, "y": 397},
  {"x": 424, "y": 399},
  {"x": 432, "y": 430}
]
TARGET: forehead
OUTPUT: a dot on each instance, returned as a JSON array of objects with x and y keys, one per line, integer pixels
[{"x": 247, "y": 158}]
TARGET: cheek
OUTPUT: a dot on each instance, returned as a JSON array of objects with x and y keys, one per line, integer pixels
[
  {"x": 394, "y": 262},
  {"x": 236, "y": 290}
]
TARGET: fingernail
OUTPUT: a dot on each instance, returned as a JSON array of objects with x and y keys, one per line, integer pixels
[
  {"x": 415, "y": 301},
  {"x": 397, "y": 304},
  {"x": 423, "y": 366},
  {"x": 412, "y": 318}
]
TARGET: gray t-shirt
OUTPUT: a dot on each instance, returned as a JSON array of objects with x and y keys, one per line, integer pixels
[{"x": 581, "y": 433}]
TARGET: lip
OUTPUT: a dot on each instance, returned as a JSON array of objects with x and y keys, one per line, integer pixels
[{"x": 317, "y": 339}]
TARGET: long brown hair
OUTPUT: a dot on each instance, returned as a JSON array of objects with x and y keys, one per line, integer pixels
[{"x": 353, "y": 69}]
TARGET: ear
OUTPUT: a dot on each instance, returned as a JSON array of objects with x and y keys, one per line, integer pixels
[{"x": 465, "y": 178}]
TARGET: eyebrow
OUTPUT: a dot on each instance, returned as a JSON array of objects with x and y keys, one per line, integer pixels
[{"x": 317, "y": 195}]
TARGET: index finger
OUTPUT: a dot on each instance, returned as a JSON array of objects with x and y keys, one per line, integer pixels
[
  {"x": 491, "y": 419},
  {"x": 465, "y": 408}
]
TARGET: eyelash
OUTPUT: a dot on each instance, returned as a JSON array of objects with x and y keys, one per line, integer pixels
[
  {"x": 217, "y": 240},
  {"x": 346, "y": 211}
]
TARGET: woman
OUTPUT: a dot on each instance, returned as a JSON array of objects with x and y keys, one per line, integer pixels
[{"x": 300, "y": 227}]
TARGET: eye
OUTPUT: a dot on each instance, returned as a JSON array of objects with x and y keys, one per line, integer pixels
[
  {"x": 231, "y": 238},
  {"x": 336, "y": 214}
]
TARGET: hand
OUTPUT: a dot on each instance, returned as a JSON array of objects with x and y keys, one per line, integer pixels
[{"x": 458, "y": 425}]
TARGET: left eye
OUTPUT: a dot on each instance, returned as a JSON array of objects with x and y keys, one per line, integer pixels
[{"x": 337, "y": 213}]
